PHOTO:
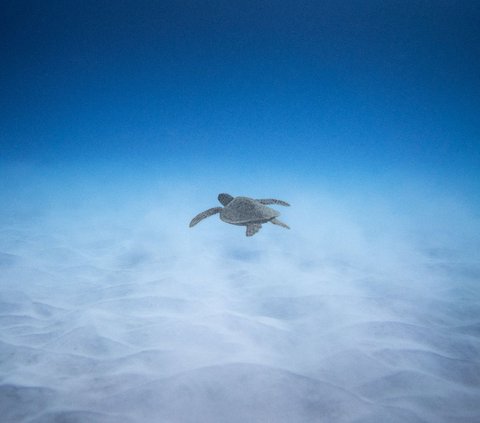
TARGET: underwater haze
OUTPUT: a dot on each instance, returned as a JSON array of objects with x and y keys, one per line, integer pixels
[{"x": 121, "y": 121}]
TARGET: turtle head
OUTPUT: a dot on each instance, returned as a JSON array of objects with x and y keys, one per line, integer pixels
[{"x": 225, "y": 198}]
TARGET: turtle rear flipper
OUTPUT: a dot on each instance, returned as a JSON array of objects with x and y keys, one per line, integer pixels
[
  {"x": 205, "y": 214},
  {"x": 253, "y": 228},
  {"x": 279, "y": 223}
]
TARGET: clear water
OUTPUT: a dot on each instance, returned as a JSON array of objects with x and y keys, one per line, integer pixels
[{"x": 121, "y": 122}]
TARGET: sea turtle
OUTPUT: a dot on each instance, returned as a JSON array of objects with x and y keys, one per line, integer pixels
[{"x": 244, "y": 211}]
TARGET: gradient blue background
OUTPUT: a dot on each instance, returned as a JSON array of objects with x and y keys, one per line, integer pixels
[
  {"x": 306, "y": 88},
  {"x": 121, "y": 120}
]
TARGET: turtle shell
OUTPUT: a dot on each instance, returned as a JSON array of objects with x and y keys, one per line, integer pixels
[{"x": 243, "y": 210}]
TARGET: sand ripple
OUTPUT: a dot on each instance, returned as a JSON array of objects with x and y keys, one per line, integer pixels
[{"x": 220, "y": 339}]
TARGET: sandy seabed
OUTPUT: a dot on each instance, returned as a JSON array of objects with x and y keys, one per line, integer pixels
[{"x": 104, "y": 322}]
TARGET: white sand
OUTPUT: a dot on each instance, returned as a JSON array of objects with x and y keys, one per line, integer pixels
[{"x": 122, "y": 317}]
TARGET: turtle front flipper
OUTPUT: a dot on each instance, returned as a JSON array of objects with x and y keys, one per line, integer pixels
[
  {"x": 205, "y": 214},
  {"x": 279, "y": 223},
  {"x": 268, "y": 201},
  {"x": 253, "y": 228}
]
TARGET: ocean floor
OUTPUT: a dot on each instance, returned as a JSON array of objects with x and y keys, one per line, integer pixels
[{"x": 105, "y": 320}]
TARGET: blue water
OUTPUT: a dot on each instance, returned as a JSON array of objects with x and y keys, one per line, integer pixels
[{"x": 121, "y": 122}]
